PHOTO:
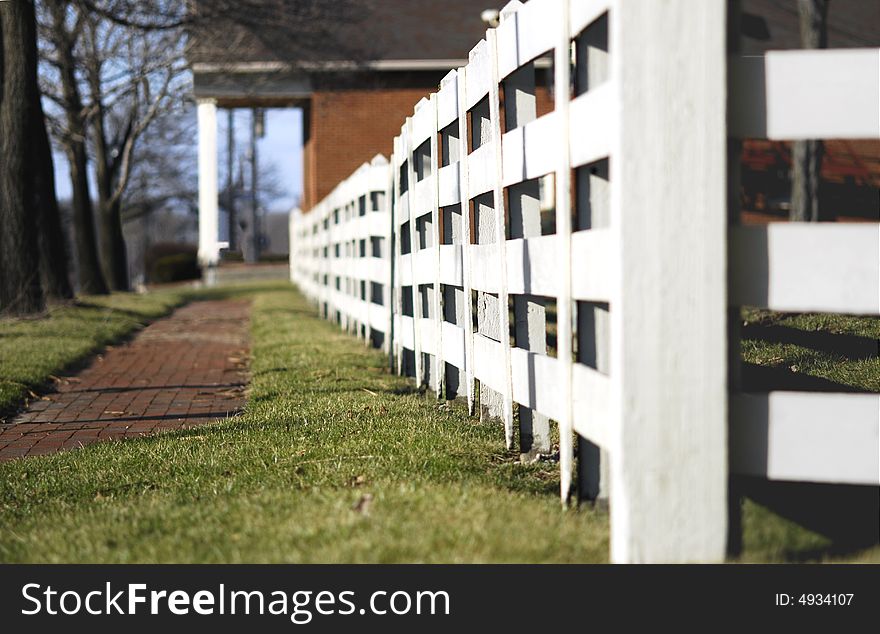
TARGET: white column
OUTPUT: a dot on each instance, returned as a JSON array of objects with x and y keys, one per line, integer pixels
[
  {"x": 209, "y": 249},
  {"x": 668, "y": 315}
]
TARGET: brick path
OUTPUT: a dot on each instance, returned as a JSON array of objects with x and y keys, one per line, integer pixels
[{"x": 184, "y": 370}]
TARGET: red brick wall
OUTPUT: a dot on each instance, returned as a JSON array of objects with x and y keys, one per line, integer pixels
[
  {"x": 349, "y": 127},
  {"x": 544, "y": 101}
]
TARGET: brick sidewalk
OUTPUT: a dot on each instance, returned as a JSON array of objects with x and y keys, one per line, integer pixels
[{"x": 184, "y": 370}]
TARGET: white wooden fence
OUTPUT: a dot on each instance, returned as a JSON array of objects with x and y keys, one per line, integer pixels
[
  {"x": 618, "y": 291},
  {"x": 340, "y": 254}
]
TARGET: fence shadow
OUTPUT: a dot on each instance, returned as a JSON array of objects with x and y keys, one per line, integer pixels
[
  {"x": 852, "y": 347},
  {"x": 758, "y": 378},
  {"x": 847, "y": 515},
  {"x": 146, "y": 388}
]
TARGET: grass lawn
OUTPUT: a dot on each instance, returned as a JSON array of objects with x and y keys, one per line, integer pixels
[
  {"x": 812, "y": 351},
  {"x": 335, "y": 460}
]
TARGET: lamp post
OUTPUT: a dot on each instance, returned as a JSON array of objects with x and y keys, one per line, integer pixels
[
  {"x": 258, "y": 131},
  {"x": 230, "y": 180}
]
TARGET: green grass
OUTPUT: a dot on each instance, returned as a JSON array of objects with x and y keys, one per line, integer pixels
[
  {"x": 841, "y": 350},
  {"x": 335, "y": 460}
]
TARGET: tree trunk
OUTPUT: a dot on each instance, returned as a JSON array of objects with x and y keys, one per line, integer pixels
[
  {"x": 807, "y": 155},
  {"x": 54, "y": 266},
  {"x": 91, "y": 279},
  {"x": 112, "y": 240},
  {"x": 113, "y": 246},
  {"x": 20, "y": 289}
]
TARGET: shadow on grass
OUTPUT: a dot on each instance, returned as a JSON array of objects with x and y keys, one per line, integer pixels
[
  {"x": 759, "y": 378},
  {"x": 142, "y": 388},
  {"x": 847, "y": 516},
  {"x": 851, "y": 347},
  {"x": 133, "y": 314}
]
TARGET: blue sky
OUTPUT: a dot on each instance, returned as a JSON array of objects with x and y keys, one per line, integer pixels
[{"x": 282, "y": 147}]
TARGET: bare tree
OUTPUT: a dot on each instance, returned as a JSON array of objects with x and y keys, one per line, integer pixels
[
  {"x": 61, "y": 29},
  {"x": 132, "y": 80},
  {"x": 164, "y": 170},
  {"x": 128, "y": 58},
  {"x": 54, "y": 265},
  {"x": 232, "y": 30},
  {"x": 163, "y": 187},
  {"x": 110, "y": 82},
  {"x": 807, "y": 155},
  {"x": 114, "y": 81}
]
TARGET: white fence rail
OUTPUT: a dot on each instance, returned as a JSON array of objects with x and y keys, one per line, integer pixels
[{"x": 573, "y": 267}]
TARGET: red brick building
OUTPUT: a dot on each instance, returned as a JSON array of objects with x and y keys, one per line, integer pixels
[
  {"x": 355, "y": 86},
  {"x": 350, "y": 120}
]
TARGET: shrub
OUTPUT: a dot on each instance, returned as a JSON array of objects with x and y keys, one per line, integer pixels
[{"x": 169, "y": 262}]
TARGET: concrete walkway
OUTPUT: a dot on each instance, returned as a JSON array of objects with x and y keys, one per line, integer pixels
[{"x": 184, "y": 370}]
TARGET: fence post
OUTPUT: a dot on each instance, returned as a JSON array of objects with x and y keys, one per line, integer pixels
[
  {"x": 562, "y": 85},
  {"x": 500, "y": 237},
  {"x": 396, "y": 255},
  {"x": 388, "y": 254},
  {"x": 734, "y": 365},
  {"x": 293, "y": 241},
  {"x": 407, "y": 148},
  {"x": 668, "y": 341},
  {"x": 439, "y": 365},
  {"x": 524, "y": 205},
  {"x": 464, "y": 188}
]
